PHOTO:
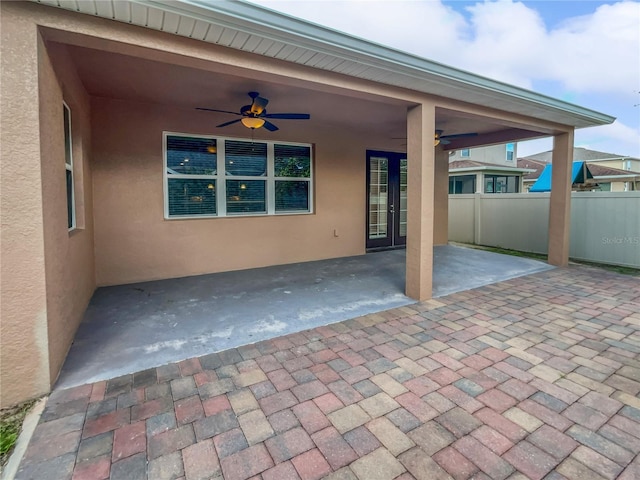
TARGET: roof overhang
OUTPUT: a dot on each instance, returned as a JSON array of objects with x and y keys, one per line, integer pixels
[
  {"x": 631, "y": 176},
  {"x": 251, "y": 28},
  {"x": 496, "y": 168}
]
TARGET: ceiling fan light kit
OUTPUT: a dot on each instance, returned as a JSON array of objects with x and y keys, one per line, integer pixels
[
  {"x": 255, "y": 115},
  {"x": 253, "y": 122}
]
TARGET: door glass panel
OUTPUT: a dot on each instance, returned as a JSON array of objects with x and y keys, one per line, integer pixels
[
  {"x": 403, "y": 197},
  {"x": 378, "y": 197}
]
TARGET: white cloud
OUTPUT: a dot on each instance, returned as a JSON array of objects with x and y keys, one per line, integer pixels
[
  {"x": 616, "y": 138},
  {"x": 599, "y": 52},
  {"x": 503, "y": 39},
  {"x": 506, "y": 42},
  {"x": 592, "y": 60},
  {"x": 425, "y": 28}
]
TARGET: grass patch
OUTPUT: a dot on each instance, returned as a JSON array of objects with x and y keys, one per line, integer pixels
[
  {"x": 539, "y": 256},
  {"x": 514, "y": 253},
  {"x": 635, "y": 272},
  {"x": 11, "y": 419}
]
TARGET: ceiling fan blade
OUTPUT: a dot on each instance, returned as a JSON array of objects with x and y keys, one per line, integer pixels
[
  {"x": 215, "y": 110},
  {"x": 270, "y": 126},
  {"x": 459, "y": 135},
  {"x": 288, "y": 116},
  {"x": 229, "y": 123}
]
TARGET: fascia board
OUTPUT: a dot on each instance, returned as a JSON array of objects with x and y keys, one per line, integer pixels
[
  {"x": 492, "y": 169},
  {"x": 613, "y": 177}
]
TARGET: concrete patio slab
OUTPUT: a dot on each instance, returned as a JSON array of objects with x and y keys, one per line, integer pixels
[
  {"x": 535, "y": 377},
  {"x": 129, "y": 328}
]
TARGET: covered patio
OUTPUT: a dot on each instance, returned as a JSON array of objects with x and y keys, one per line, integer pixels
[
  {"x": 138, "y": 326},
  {"x": 536, "y": 378},
  {"x": 128, "y": 121}
]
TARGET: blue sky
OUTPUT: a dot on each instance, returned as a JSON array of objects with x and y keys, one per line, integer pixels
[{"x": 584, "y": 52}]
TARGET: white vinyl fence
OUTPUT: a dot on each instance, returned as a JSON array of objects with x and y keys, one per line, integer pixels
[{"x": 605, "y": 226}]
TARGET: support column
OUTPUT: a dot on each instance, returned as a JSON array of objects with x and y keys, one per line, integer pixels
[
  {"x": 441, "y": 197},
  {"x": 560, "y": 202},
  {"x": 420, "y": 201}
]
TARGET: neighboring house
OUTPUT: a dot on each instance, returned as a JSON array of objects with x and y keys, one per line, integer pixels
[
  {"x": 504, "y": 154},
  {"x": 468, "y": 176},
  {"x": 611, "y": 179},
  {"x": 490, "y": 169},
  {"x": 111, "y": 175},
  {"x": 611, "y": 172}
]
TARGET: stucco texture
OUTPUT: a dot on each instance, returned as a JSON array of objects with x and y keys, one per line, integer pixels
[
  {"x": 47, "y": 271},
  {"x": 24, "y": 356},
  {"x": 69, "y": 255},
  {"x": 133, "y": 240}
]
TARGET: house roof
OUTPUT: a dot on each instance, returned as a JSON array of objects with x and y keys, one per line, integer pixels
[
  {"x": 598, "y": 171},
  {"x": 472, "y": 165},
  {"x": 602, "y": 171},
  {"x": 530, "y": 163},
  {"x": 251, "y": 28},
  {"x": 580, "y": 153}
]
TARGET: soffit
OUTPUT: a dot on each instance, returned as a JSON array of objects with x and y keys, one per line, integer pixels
[{"x": 257, "y": 30}]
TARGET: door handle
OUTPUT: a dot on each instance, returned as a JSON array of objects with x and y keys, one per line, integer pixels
[{"x": 391, "y": 209}]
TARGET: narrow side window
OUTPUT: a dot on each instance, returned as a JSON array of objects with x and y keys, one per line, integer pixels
[{"x": 68, "y": 160}]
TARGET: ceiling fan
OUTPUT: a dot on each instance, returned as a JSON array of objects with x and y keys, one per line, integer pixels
[
  {"x": 443, "y": 139},
  {"x": 255, "y": 115},
  {"x": 446, "y": 139}
]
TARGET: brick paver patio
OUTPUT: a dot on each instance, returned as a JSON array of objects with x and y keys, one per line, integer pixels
[{"x": 536, "y": 377}]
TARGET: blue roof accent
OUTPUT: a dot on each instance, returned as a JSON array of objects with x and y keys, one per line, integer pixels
[{"x": 579, "y": 174}]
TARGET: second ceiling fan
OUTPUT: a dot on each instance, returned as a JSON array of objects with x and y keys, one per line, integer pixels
[
  {"x": 255, "y": 115},
  {"x": 443, "y": 139},
  {"x": 446, "y": 139}
]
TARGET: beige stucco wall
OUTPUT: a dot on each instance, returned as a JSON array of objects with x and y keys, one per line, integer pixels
[
  {"x": 24, "y": 357},
  {"x": 47, "y": 274},
  {"x": 69, "y": 256},
  {"x": 133, "y": 240}
]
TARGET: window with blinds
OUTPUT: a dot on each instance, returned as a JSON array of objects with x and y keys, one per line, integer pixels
[
  {"x": 191, "y": 176},
  {"x": 218, "y": 177},
  {"x": 292, "y": 177}
]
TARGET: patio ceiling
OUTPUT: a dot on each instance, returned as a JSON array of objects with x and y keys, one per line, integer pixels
[
  {"x": 162, "y": 78},
  {"x": 250, "y": 28},
  {"x": 107, "y": 74},
  {"x": 179, "y": 86}
]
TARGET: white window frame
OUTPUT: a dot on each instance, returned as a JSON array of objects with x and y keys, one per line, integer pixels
[
  {"x": 465, "y": 153},
  {"x": 511, "y": 150},
  {"x": 69, "y": 168},
  {"x": 221, "y": 178}
]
